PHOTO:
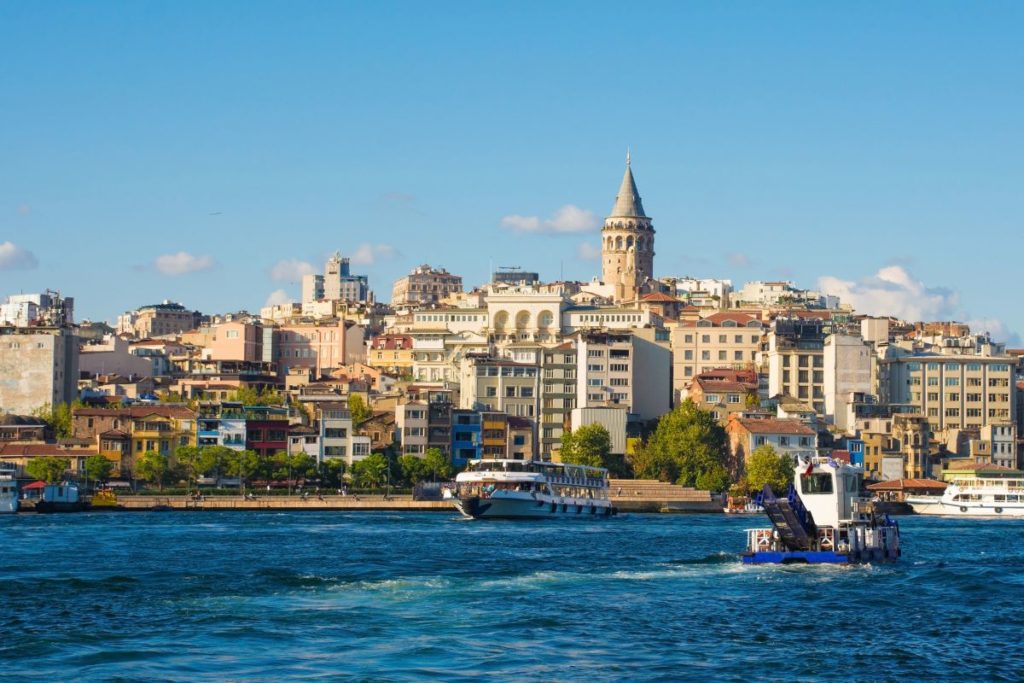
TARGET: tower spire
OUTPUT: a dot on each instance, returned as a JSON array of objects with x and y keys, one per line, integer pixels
[{"x": 627, "y": 202}]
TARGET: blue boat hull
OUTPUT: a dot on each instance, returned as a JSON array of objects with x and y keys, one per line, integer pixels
[{"x": 816, "y": 557}]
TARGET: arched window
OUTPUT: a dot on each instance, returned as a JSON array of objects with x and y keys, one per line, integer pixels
[
  {"x": 629, "y": 242},
  {"x": 639, "y": 243},
  {"x": 618, "y": 243},
  {"x": 522, "y": 320}
]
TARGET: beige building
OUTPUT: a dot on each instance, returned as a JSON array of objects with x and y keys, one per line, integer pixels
[
  {"x": 627, "y": 242},
  {"x": 425, "y": 285},
  {"x": 953, "y": 391},
  {"x": 390, "y": 352},
  {"x": 796, "y": 361},
  {"x": 624, "y": 369},
  {"x": 158, "y": 320},
  {"x": 721, "y": 340},
  {"x": 494, "y": 384},
  {"x": 38, "y": 367},
  {"x": 558, "y": 395}
]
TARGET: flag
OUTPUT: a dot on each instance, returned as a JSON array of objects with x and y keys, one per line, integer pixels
[{"x": 810, "y": 468}]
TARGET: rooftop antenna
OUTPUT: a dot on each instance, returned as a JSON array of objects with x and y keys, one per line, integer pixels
[{"x": 628, "y": 160}]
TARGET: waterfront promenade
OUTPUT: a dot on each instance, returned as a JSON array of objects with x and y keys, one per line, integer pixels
[{"x": 628, "y": 495}]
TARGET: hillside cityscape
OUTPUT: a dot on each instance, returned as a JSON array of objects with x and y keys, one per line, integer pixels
[{"x": 519, "y": 367}]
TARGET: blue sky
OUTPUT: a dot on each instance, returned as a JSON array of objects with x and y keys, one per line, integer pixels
[{"x": 876, "y": 145}]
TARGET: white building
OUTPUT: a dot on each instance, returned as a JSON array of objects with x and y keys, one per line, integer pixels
[{"x": 847, "y": 370}]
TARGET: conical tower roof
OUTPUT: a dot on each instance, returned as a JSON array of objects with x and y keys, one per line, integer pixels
[{"x": 627, "y": 202}]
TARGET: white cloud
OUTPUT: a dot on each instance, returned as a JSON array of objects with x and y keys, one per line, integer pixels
[
  {"x": 182, "y": 263},
  {"x": 997, "y": 329},
  {"x": 367, "y": 254},
  {"x": 893, "y": 291},
  {"x": 13, "y": 257},
  {"x": 738, "y": 260},
  {"x": 279, "y": 297},
  {"x": 588, "y": 252},
  {"x": 568, "y": 219},
  {"x": 291, "y": 270}
]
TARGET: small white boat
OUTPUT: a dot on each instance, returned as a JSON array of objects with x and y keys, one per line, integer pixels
[
  {"x": 517, "y": 489},
  {"x": 8, "y": 493},
  {"x": 980, "y": 497}
]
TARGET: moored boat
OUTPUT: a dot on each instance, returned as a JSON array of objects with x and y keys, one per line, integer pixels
[
  {"x": 8, "y": 493},
  {"x": 823, "y": 519},
  {"x": 517, "y": 489},
  {"x": 977, "y": 497},
  {"x": 64, "y": 497}
]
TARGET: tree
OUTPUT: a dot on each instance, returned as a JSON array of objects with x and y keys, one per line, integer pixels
[
  {"x": 250, "y": 396},
  {"x": 153, "y": 467},
  {"x": 359, "y": 410},
  {"x": 58, "y": 418},
  {"x": 98, "y": 468},
  {"x": 50, "y": 470},
  {"x": 687, "y": 445},
  {"x": 242, "y": 464},
  {"x": 414, "y": 470},
  {"x": 589, "y": 445},
  {"x": 437, "y": 464},
  {"x": 766, "y": 466},
  {"x": 332, "y": 471},
  {"x": 371, "y": 471}
]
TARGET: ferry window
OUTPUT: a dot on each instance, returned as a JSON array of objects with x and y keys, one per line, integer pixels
[
  {"x": 852, "y": 485},
  {"x": 816, "y": 483}
]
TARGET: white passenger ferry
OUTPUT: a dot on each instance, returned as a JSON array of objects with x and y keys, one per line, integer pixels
[
  {"x": 513, "y": 489},
  {"x": 979, "y": 497},
  {"x": 8, "y": 489}
]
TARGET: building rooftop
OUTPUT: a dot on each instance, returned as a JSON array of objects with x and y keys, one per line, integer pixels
[{"x": 775, "y": 426}]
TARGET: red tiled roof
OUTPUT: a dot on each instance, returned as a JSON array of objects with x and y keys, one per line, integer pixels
[
  {"x": 905, "y": 484},
  {"x": 389, "y": 342},
  {"x": 774, "y": 426},
  {"x": 10, "y": 450},
  {"x": 741, "y": 319},
  {"x": 659, "y": 297},
  {"x": 180, "y": 412},
  {"x": 710, "y": 384}
]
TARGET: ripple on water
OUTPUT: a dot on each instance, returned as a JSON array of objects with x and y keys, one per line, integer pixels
[{"x": 250, "y": 596}]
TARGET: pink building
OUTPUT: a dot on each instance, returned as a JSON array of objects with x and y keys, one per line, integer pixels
[
  {"x": 235, "y": 340},
  {"x": 322, "y": 345}
]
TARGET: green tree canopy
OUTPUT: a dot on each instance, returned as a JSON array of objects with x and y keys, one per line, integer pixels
[
  {"x": 98, "y": 468},
  {"x": 332, "y": 471},
  {"x": 50, "y": 470},
  {"x": 58, "y": 418},
  {"x": 359, "y": 410},
  {"x": 152, "y": 467},
  {"x": 766, "y": 466},
  {"x": 589, "y": 445},
  {"x": 371, "y": 471},
  {"x": 249, "y": 396},
  {"x": 242, "y": 464},
  {"x": 414, "y": 470},
  {"x": 688, "y": 445},
  {"x": 439, "y": 465}
]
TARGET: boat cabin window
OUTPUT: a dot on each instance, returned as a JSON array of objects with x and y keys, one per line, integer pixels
[{"x": 816, "y": 483}]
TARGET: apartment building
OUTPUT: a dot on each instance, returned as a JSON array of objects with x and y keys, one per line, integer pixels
[
  {"x": 39, "y": 367},
  {"x": 787, "y": 437},
  {"x": 724, "y": 392},
  {"x": 558, "y": 395},
  {"x": 160, "y": 319},
  {"x": 411, "y": 419},
  {"x": 497, "y": 384},
  {"x": 391, "y": 352},
  {"x": 953, "y": 391},
  {"x": 796, "y": 360},
  {"x": 624, "y": 369},
  {"x": 721, "y": 340},
  {"x": 425, "y": 285}
]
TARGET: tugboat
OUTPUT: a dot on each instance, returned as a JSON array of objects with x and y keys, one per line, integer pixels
[
  {"x": 823, "y": 519},
  {"x": 517, "y": 489},
  {"x": 64, "y": 497}
]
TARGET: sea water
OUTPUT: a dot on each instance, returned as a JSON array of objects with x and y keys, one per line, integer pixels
[{"x": 381, "y": 596}]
